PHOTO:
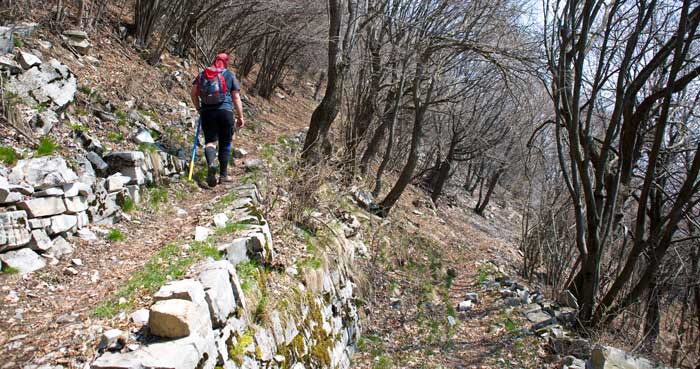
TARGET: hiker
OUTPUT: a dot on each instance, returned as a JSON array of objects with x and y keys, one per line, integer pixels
[{"x": 215, "y": 93}]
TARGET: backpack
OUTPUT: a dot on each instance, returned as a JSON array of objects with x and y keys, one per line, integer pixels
[{"x": 212, "y": 87}]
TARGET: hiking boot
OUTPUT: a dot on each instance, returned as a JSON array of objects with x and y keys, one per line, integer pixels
[
  {"x": 225, "y": 179},
  {"x": 211, "y": 177}
]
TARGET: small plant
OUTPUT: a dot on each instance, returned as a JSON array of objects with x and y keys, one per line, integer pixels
[
  {"x": 238, "y": 350},
  {"x": 128, "y": 205},
  {"x": 46, "y": 147},
  {"x": 9, "y": 270},
  {"x": 157, "y": 196},
  {"x": 310, "y": 263},
  {"x": 147, "y": 147},
  {"x": 115, "y": 136},
  {"x": 115, "y": 235},
  {"x": 77, "y": 127},
  {"x": 8, "y": 155},
  {"x": 230, "y": 228},
  {"x": 18, "y": 42}
]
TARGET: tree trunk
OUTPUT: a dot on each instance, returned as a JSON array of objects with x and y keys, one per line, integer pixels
[
  {"x": 317, "y": 144},
  {"x": 319, "y": 84},
  {"x": 653, "y": 317},
  {"x": 442, "y": 176},
  {"x": 483, "y": 203}
]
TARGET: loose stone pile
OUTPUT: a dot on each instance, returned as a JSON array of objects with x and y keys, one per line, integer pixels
[
  {"x": 204, "y": 322},
  {"x": 554, "y": 321},
  {"x": 44, "y": 201}
]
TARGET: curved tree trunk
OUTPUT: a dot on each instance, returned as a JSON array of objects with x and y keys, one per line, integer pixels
[{"x": 317, "y": 144}]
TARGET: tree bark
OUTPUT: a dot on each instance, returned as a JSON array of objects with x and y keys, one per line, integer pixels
[{"x": 317, "y": 144}]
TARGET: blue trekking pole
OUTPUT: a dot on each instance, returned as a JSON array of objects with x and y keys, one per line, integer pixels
[{"x": 194, "y": 148}]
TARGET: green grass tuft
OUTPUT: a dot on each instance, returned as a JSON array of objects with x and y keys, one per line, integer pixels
[
  {"x": 116, "y": 235},
  {"x": 170, "y": 263},
  {"x": 237, "y": 351},
  {"x": 8, "y": 155},
  {"x": 115, "y": 136},
  {"x": 230, "y": 228},
  {"x": 47, "y": 146},
  {"x": 18, "y": 42},
  {"x": 9, "y": 270},
  {"x": 157, "y": 196},
  {"x": 147, "y": 147},
  {"x": 128, "y": 205}
]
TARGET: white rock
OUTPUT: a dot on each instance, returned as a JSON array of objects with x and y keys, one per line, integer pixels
[
  {"x": 42, "y": 173},
  {"x": 43, "y": 207},
  {"x": 113, "y": 339},
  {"x": 77, "y": 188},
  {"x": 40, "y": 241},
  {"x": 76, "y": 204},
  {"x": 77, "y": 262},
  {"x": 61, "y": 247},
  {"x": 24, "y": 260},
  {"x": 63, "y": 223},
  {"x": 48, "y": 83},
  {"x": 87, "y": 235},
  {"x": 9, "y": 197},
  {"x": 116, "y": 182},
  {"x": 220, "y": 220},
  {"x": 464, "y": 306},
  {"x": 140, "y": 316},
  {"x": 144, "y": 137},
  {"x": 27, "y": 60},
  {"x": 201, "y": 233},
  {"x": 49, "y": 192}
]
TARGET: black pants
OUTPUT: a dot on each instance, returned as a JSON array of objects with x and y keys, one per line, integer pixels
[{"x": 217, "y": 125}]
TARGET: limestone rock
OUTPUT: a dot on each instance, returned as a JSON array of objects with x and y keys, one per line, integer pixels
[
  {"x": 192, "y": 352},
  {"x": 603, "y": 357},
  {"x": 112, "y": 340},
  {"x": 42, "y": 207},
  {"x": 7, "y": 64},
  {"x": 61, "y": 248},
  {"x": 9, "y": 197},
  {"x": 63, "y": 223},
  {"x": 219, "y": 293},
  {"x": 236, "y": 252},
  {"x": 43, "y": 173},
  {"x": 40, "y": 223},
  {"x": 40, "y": 241},
  {"x": 76, "y": 204},
  {"x": 571, "y": 346},
  {"x": 265, "y": 344},
  {"x": 116, "y": 182},
  {"x": 464, "y": 306},
  {"x": 100, "y": 165},
  {"x": 186, "y": 289},
  {"x": 14, "y": 230},
  {"x": 77, "y": 189},
  {"x": 140, "y": 316},
  {"x": 220, "y": 220},
  {"x": 201, "y": 233},
  {"x": 50, "y": 83},
  {"x": 49, "y": 192},
  {"x": 567, "y": 299},
  {"x": 28, "y": 60},
  {"x": 176, "y": 318},
  {"x": 24, "y": 260},
  {"x": 144, "y": 137}
]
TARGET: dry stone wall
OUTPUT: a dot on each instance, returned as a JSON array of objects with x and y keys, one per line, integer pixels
[
  {"x": 45, "y": 201},
  {"x": 204, "y": 322}
]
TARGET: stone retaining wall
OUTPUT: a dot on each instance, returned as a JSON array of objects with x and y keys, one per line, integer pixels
[
  {"x": 204, "y": 322},
  {"x": 44, "y": 201}
]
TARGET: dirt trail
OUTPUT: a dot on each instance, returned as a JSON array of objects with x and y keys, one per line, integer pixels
[{"x": 413, "y": 322}]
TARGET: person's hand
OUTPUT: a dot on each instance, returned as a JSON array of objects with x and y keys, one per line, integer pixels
[{"x": 240, "y": 122}]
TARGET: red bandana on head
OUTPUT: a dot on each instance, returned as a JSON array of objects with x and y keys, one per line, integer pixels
[{"x": 220, "y": 62}]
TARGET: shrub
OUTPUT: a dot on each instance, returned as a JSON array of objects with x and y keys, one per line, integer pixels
[{"x": 128, "y": 205}]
